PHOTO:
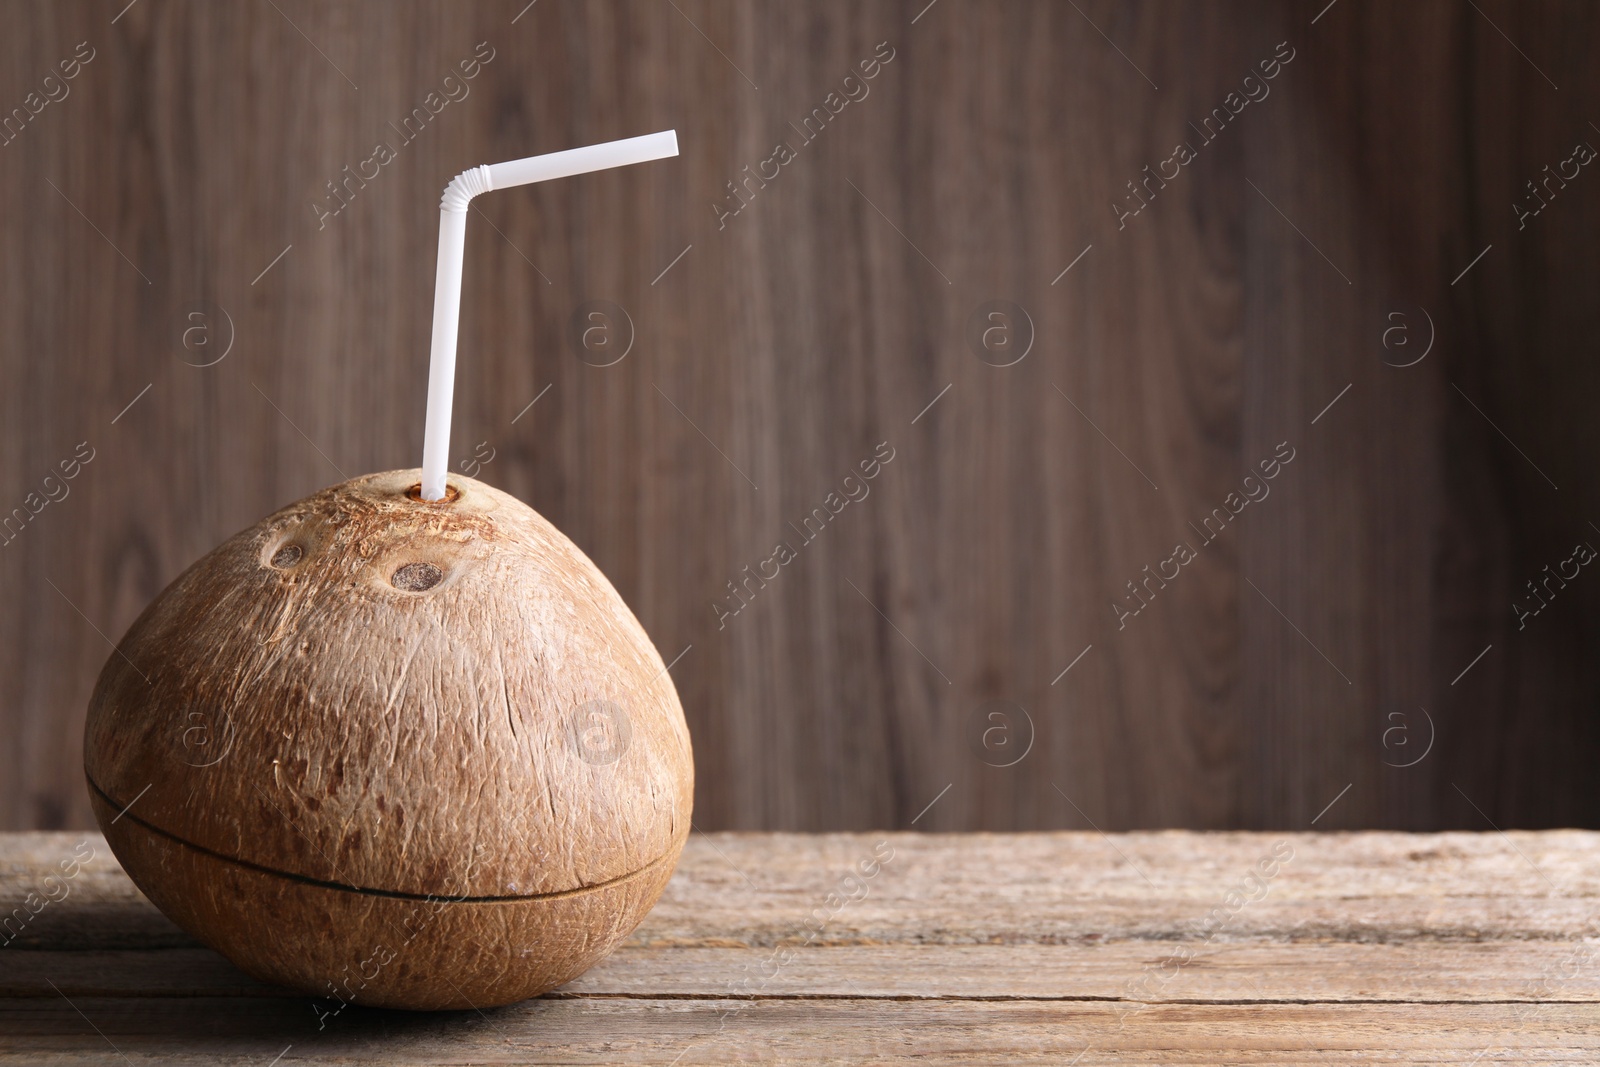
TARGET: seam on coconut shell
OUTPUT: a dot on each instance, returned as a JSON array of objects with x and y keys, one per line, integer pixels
[{"x": 392, "y": 893}]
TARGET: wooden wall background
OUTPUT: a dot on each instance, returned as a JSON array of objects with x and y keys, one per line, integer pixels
[{"x": 777, "y": 352}]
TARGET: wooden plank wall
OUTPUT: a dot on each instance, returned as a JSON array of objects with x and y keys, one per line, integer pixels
[{"x": 1314, "y": 644}]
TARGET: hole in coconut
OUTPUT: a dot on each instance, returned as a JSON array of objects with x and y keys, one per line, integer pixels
[
  {"x": 417, "y": 577},
  {"x": 451, "y": 494},
  {"x": 288, "y": 556}
]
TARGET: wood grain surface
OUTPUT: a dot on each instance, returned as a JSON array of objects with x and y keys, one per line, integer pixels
[
  {"x": 1371, "y": 610},
  {"x": 1166, "y": 947}
]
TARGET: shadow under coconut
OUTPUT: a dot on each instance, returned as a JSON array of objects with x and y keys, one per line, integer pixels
[{"x": 148, "y": 987}]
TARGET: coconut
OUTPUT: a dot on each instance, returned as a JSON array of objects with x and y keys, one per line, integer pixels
[{"x": 394, "y": 752}]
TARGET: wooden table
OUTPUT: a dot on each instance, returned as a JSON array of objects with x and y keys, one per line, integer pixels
[{"x": 1062, "y": 948}]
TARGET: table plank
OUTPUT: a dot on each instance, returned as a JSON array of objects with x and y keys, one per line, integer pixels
[
  {"x": 800, "y": 1030},
  {"x": 1485, "y": 972},
  {"x": 1042, "y": 888},
  {"x": 1142, "y": 947}
]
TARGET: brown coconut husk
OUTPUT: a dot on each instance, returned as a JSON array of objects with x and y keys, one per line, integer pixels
[{"x": 394, "y": 752}]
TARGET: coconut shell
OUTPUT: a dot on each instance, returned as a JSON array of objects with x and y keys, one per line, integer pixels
[{"x": 394, "y": 752}]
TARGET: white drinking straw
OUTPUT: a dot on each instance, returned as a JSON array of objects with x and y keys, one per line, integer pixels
[{"x": 452, "y": 244}]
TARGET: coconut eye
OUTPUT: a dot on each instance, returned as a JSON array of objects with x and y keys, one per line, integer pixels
[
  {"x": 288, "y": 556},
  {"x": 417, "y": 577}
]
